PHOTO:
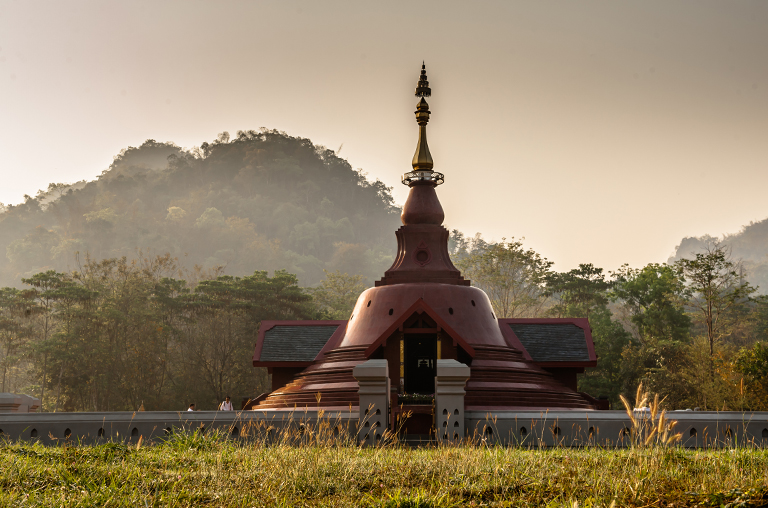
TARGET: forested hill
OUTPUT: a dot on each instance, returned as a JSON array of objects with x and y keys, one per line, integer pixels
[
  {"x": 261, "y": 201},
  {"x": 749, "y": 245}
]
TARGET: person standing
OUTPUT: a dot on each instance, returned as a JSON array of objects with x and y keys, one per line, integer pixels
[
  {"x": 191, "y": 407},
  {"x": 226, "y": 405}
]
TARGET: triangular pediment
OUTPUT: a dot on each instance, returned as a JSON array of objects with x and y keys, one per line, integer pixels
[{"x": 420, "y": 307}]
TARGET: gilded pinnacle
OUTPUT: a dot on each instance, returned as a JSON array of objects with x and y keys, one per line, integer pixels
[
  {"x": 422, "y": 159},
  {"x": 422, "y": 87}
]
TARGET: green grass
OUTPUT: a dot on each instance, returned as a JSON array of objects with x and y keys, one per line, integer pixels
[{"x": 195, "y": 470}]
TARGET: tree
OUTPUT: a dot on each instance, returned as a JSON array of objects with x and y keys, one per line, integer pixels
[
  {"x": 717, "y": 291},
  {"x": 70, "y": 344},
  {"x": 512, "y": 276},
  {"x": 752, "y": 364},
  {"x": 217, "y": 339},
  {"x": 14, "y": 306},
  {"x": 654, "y": 297},
  {"x": 336, "y": 296},
  {"x": 579, "y": 291},
  {"x": 609, "y": 377},
  {"x": 45, "y": 292}
]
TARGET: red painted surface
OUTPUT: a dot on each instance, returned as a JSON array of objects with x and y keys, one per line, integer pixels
[
  {"x": 422, "y": 205},
  {"x": 471, "y": 324},
  {"x": 422, "y": 256}
]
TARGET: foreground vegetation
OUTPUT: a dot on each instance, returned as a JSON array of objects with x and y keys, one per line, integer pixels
[{"x": 194, "y": 470}]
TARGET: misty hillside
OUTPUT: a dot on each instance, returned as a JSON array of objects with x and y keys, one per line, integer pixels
[
  {"x": 261, "y": 201},
  {"x": 750, "y": 245}
]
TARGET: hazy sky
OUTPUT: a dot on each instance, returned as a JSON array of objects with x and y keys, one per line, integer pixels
[{"x": 601, "y": 132}]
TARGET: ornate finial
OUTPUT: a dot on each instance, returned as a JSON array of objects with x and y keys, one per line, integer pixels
[
  {"x": 422, "y": 161},
  {"x": 422, "y": 88}
]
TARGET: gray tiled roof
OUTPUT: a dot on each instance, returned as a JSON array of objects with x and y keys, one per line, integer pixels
[
  {"x": 553, "y": 343},
  {"x": 295, "y": 343}
]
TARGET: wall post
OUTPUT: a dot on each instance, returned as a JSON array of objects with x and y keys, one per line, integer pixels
[
  {"x": 373, "y": 379},
  {"x": 449, "y": 400}
]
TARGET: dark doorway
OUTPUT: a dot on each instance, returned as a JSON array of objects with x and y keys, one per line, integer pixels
[{"x": 420, "y": 362}]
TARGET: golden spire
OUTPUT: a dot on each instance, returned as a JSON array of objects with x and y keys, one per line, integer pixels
[{"x": 422, "y": 159}]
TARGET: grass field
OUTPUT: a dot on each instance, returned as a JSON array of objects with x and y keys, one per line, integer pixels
[{"x": 197, "y": 470}]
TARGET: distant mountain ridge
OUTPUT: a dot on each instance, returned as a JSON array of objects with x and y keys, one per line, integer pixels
[
  {"x": 263, "y": 200},
  {"x": 749, "y": 245}
]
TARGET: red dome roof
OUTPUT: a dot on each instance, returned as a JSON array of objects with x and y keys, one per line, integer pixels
[{"x": 464, "y": 310}]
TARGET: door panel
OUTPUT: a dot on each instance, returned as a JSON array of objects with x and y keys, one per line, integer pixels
[{"x": 420, "y": 363}]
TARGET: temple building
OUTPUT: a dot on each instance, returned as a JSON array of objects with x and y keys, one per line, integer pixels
[{"x": 423, "y": 310}]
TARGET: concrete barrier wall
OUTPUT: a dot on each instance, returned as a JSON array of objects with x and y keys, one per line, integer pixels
[
  {"x": 614, "y": 428},
  {"x": 523, "y": 428},
  {"x": 52, "y": 428}
]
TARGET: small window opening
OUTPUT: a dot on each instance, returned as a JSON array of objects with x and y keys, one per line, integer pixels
[
  {"x": 100, "y": 433},
  {"x": 473, "y": 303},
  {"x": 450, "y": 310},
  {"x": 391, "y": 311},
  {"x": 168, "y": 431},
  {"x": 33, "y": 433},
  {"x": 235, "y": 432},
  {"x": 134, "y": 432},
  {"x": 556, "y": 431},
  {"x": 456, "y": 423},
  {"x": 692, "y": 432},
  {"x": 489, "y": 431},
  {"x": 456, "y": 411},
  {"x": 445, "y": 411},
  {"x": 67, "y": 432},
  {"x": 523, "y": 431},
  {"x": 591, "y": 432},
  {"x": 765, "y": 433}
]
